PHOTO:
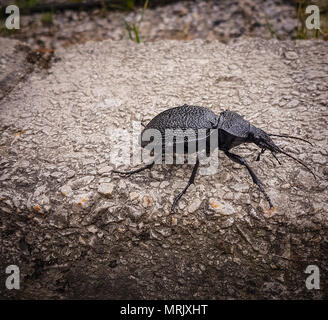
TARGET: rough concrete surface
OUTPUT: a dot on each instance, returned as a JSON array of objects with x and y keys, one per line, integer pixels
[{"x": 78, "y": 231}]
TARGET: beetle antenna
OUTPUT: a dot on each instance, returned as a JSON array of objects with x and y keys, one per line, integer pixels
[
  {"x": 299, "y": 161},
  {"x": 291, "y": 137}
]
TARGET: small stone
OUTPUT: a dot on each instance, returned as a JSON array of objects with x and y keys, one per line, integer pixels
[
  {"x": 282, "y": 103},
  {"x": 70, "y": 174},
  {"x": 83, "y": 200},
  {"x": 103, "y": 170},
  {"x": 202, "y": 267},
  {"x": 240, "y": 187},
  {"x": 106, "y": 189},
  {"x": 164, "y": 184},
  {"x": 221, "y": 207},
  {"x": 154, "y": 184},
  {"x": 92, "y": 229},
  {"x": 147, "y": 201},
  {"x": 88, "y": 161},
  {"x": 24, "y": 164},
  {"x": 82, "y": 182},
  {"x": 66, "y": 191},
  {"x": 292, "y": 104},
  {"x": 133, "y": 195},
  {"x": 56, "y": 174},
  {"x": 181, "y": 204},
  {"x": 291, "y": 55},
  {"x": 81, "y": 240},
  {"x": 194, "y": 206}
]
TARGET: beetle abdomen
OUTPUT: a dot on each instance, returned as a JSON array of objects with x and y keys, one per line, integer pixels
[
  {"x": 184, "y": 117},
  {"x": 181, "y": 119}
]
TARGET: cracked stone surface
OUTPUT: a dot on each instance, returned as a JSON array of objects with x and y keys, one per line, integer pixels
[{"x": 78, "y": 231}]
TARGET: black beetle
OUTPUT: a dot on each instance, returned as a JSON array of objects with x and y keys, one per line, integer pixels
[{"x": 232, "y": 130}]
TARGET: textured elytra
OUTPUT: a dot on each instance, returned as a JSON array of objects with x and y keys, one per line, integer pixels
[
  {"x": 184, "y": 117},
  {"x": 183, "y": 123}
]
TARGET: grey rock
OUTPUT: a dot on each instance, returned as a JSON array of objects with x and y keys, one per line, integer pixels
[
  {"x": 292, "y": 104},
  {"x": 106, "y": 189},
  {"x": 194, "y": 206},
  {"x": 229, "y": 238},
  {"x": 291, "y": 55}
]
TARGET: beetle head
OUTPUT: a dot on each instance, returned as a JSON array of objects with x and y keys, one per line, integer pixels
[{"x": 263, "y": 140}]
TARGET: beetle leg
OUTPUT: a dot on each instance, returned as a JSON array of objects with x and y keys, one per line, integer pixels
[
  {"x": 190, "y": 182},
  {"x": 259, "y": 155},
  {"x": 243, "y": 162},
  {"x": 128, "y": 173},
  {"x": 147, "y": 166}
]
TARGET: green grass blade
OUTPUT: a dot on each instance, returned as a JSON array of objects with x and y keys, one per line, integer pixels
[
  {"x": 136, "y": 33},
  {"x": 128, "y": 28}
]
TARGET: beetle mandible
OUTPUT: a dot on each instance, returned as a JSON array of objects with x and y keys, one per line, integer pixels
[{"x": 232, "y": 128}]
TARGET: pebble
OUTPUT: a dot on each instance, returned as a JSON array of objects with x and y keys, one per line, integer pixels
[
  {"x": 240, "y": 187},
  {"x": 81, "y": 182},
  {"x": 221, "y": 207},
  {"x": 292, "y": 104},
  {"x": 55, "y": 174},
  {"x": 70, "y": 174},
  {"x": 228, "y": 196},
  {"x": 147, "y": 201},
  {"x": 291, "y": 55},
  {"x": 164, "y": 184},
  {"x": 103, "y": 170},
  {"x": 92, "y": 229},
  {"x": 133, "y": 195},
  {"x": 83, "y": 201},
  {"x": 106, "y": 189},
  {"x": 285, "y": 186},
  {"x": 194, "y": 206}
]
